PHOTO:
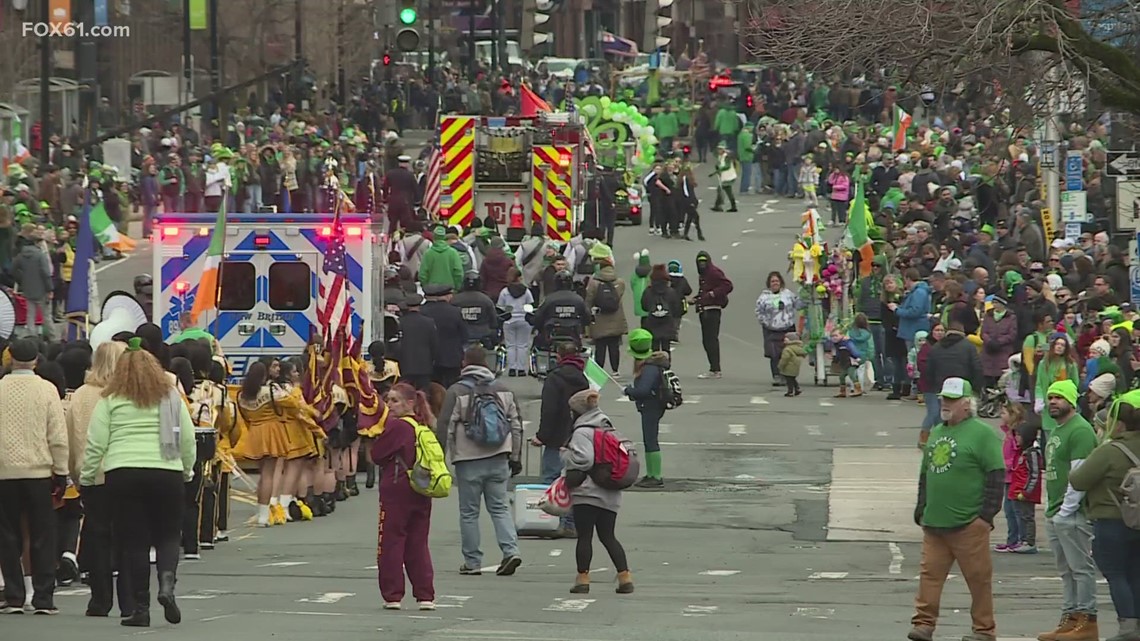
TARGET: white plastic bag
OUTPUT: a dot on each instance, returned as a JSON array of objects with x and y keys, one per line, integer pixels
[
  {"x": 865, "y": 374},
  {"x": 556, "y": 500}
]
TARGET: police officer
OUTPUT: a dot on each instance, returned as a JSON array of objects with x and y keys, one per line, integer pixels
[
  {"x": 419, "y": 344},
  {"x": 452, "y": 333},
  {"x": 563, "y": 313},
  {"x": 478, "y": 311}
]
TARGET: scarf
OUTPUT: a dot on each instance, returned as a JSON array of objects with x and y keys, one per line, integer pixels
[{"x": 170, "y": 426}]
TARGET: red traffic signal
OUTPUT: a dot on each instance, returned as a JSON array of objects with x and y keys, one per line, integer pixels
[
  {"x": 387, "y": 59},
  {"x": 748, "y": 102},
  {"x": 686, "y": 149}
]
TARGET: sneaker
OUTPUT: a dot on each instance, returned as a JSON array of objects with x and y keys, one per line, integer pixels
[
  {"x": 427, "y": 606},
  {"x": 12, "y": 609},
  {"x": 392, "y": 605},
  {"x": 48, "y": 611},
  {"x": 508, "y": 566},
  {"x": 206, "y": 545},
  {"x": 221, "y": 537},
  {"x": 68, "y": 570},
  {"x": 194, "y": 556},
  {"x": 467, "y": 570},
  {"x": 1000, "y": 547},
  {"x": 709, "y": 375},
  {"x": 650, "y": 482},
  {"x": 1023, "y": 548}
]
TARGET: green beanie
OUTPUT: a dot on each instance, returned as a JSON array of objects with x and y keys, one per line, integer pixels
[{"x": 1066, "y": 389}]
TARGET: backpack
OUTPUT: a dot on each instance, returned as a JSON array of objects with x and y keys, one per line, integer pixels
[
  {"x": 616, "y": 464},
  {"x": 202, "y": 409},
  {"x": 1129, "y": 489},
  {"x": 671, "y": 395},
  {"x": 486, "y": 422},
  {"x": 606, "y": 297},
  {"x": 428, "y": 475},
  {"x": 660, "y": 307},
  {"x": 585, "y": 266}
]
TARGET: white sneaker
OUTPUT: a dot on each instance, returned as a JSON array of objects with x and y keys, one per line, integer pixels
[
  {"x": 392, "y": 605},
  {"x": 427, "y": 605},
  {"x": 709, "y": 375},
  {"x": 192, "y": 557}
]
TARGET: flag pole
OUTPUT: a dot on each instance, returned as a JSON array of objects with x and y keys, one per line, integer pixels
[{"x": 221, "y": 266}]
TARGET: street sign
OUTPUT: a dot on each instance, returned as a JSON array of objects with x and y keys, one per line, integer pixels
[
  {"x": 1128, "y": 204},
  {"x": 1072, "y": 231},
  {"x": 1047, "y": 224},
  {"x": 1123, "y": 163},
  {"x": 1048, "y": 154},
  {"x": 1134, "y": 271},
  {"x": 1074, "y": 206},
  {"x": 1074, "y": 171}
]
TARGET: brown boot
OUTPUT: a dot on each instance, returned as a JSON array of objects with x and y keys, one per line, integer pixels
[
  {"x": 581, "y": 584},
  {"x": 842, "y": 392},
  {"x": 625, "y": 582},
  {"x": 858, "y": 390},
  {"x": 1068, "y": 622},
  {"x": 1085, "y": 629}
]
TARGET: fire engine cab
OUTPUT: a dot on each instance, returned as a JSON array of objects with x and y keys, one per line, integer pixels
[{"x": 517, "y": 170}]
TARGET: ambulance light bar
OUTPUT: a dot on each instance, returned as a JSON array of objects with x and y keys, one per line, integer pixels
[
  {"x": 348, "y": 231},
  {"x": 262, "y": 241},
  {"x": 167, "y": 232}
]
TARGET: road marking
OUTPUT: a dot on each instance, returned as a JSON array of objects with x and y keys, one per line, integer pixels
[
  {"x": 284, "y": 564},
  {"x": 328, "y": 598},
  {"x": 737, "y": 430},
  {"x": 450, "y": 601},
  {"x": 526, "y": 424},
  {"x": 751, "y": 219},
  {"x": 826, "y": 404},
  {"x": 622, "y": 399},
  {"x": 882, "y": 433},
  {"x": 249, "y": 535},
  {"x": 736, "y": 244},
  {"x": 744, "y": 477},
  {"x": 897, "y": 558},
  {"x": 813, "y": 430},
  {"x": 664, "y": 428},
  {"x": 747, "y": 231},
  {"x": 695, "y": 398},
  {"x": 217, "y": 618},
  {"x": 568, "y": 605},
  {"x": 758, "y": 400},
  {"x": 372, "y": 567},
  {"x": 304, "y": 614},
  {"x": 1034, "y": 578},
  {"x": 831, "y": 576},
  {"x": 556, "y": 553},
  {"x": 598, "y": 569},
  {"x": 726, "y": 444},
  {"x": 111, "y": 264},
  {"x": 698, "y": 610},
  {"x": 815, "y": 613},
  {"x": 719, "y": 573},
  {"x": 725, "y": 257},
  {"x": 73, "y": 592}
]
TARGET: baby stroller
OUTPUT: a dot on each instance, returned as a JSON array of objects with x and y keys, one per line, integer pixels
[{"x": 543, "y": 355}]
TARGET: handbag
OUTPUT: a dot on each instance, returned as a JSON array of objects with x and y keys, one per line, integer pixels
[
  {"x": 728, "y": 175},
  {"x": 556, "y": 500}
]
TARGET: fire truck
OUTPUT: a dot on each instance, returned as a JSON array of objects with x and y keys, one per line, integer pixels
[{"x": 518, "y": 170}]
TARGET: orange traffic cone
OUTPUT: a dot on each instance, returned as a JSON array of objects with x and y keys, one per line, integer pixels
[{"x": 516, "y": 215}]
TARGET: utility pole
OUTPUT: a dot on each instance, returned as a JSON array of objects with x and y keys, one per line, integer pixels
[
  {"x": 341, "y": 89},
  {"x": 1052, "y": 174},
  {"x": 45, "y": 87},
  {"x": 186, "y": 93},
  {"x": 494, "y": 34},
  {"x": 215, "y": 68},
  {"x": 431, "y": 40},
  {"x": 472, "y": 65}
]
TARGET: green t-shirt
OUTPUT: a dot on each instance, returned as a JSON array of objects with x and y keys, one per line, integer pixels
[
  {"x": 955, "y": 462},
  {"x": 1072, "y": 441}
]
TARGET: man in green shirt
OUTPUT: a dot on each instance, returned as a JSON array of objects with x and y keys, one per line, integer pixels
[
  {"x": 960, "y": 490},
  {"x": 665, "y": 126},
  {"x": 1066, "y": 523},
  {"x": 727, "y": 123}
]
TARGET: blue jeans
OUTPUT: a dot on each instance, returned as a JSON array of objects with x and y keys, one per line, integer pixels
[
  {"x": 485, "y": 480},
  {"x": 1070, "y": 538},
  {"x": 878, "y": 335},
  {"x": 791, "y": 179},
  {"x": 778, "y": 181},
  {"x": 933, "y": 408},
  {"x": 552, "y": 469},
  {"x": 252, "y": 198},
  {"x": 746, "y": 171},
  {"x": 1014, "y": 535},
  {"x": 1114, "y": 548}
]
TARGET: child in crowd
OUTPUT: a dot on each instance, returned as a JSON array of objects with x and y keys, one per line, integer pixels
[
  {"x": 1025, "y": 485},
  {"x": 791, "y": 360},
  {"x": 1012, "y": 416},
  {"x": 808, "y": 179},
  {"x": 926, "y": 385},
  {"x": 864, "y": 342},
  {"x": 912, "y": 369},
  {"x": 844, "y": 360}
]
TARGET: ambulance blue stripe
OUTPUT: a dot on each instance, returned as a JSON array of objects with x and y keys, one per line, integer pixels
[
  {"x": 299, "y": 324},
  {"x": 225, "y": 323},
  {"x": 175, "y": 267}
]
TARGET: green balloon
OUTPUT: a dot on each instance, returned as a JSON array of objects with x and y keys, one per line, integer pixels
[
  {"x": 606, "y": 102},
  {"x": 607, "y": 114}
]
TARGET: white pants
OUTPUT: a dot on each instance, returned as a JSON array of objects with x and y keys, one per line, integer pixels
[{"x": 516, "y": 334}]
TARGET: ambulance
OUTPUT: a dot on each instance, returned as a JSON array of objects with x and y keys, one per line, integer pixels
[
  {"x": 268, "y": 281},
  {"x": 519, "y": 171}
]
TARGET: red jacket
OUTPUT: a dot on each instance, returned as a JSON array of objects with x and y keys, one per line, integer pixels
[{"x": 1026, "y": 476}]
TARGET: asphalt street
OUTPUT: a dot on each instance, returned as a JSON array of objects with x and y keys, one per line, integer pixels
[{"x": 781, "y": 520}]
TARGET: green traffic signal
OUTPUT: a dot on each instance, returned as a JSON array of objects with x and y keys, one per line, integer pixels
[{"x": 408, "y": 16}]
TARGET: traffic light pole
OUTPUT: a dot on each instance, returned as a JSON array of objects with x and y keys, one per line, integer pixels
[
  {"x": 472, "y": 66},
  {"x": 431, "y": 40}
]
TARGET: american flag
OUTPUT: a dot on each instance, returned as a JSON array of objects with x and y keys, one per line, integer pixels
[
  {"x": 431, "y": 182},
  {"x": 334, "y": 307}
]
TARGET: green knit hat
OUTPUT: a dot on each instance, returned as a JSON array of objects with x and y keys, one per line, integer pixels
[
  {"x": 643, "y": 257},
  {"x": 1066, "y": 389}
]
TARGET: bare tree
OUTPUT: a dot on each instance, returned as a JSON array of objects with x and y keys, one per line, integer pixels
[{"x": 1022, "y": 50}]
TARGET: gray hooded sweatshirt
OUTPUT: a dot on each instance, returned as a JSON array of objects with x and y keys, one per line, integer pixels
[{"x": 579, "y": 455}]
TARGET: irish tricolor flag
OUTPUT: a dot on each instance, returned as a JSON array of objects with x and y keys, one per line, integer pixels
[
  {"x": 596, "y": 376},
  {"x": 207, "y": 297},
  {"x": 105, "y": 231},
  {"x": 898, "y": 131}
]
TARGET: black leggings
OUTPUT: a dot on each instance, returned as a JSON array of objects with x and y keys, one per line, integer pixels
[
  {"x": 612, "y": 345},
  {"x": 148, "y": 506},
  {"x": 587, "y": 518}
]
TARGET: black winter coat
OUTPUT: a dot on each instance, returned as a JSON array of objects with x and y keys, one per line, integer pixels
[
  {"x": 556, "y": 422},
  {"x": 419, "y": 344},
  {"x": 452, "y": 332},
  {"x": 954, "y": 356}
]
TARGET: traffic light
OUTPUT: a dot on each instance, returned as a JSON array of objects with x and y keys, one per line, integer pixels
[
  {"x": 408, "y": 38},
  {"x": 659, "y": 18},
  {"x": 686, "y": 150},
  {"x": 387, "y": 59},
  {"x": 748, "y": 102}
]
